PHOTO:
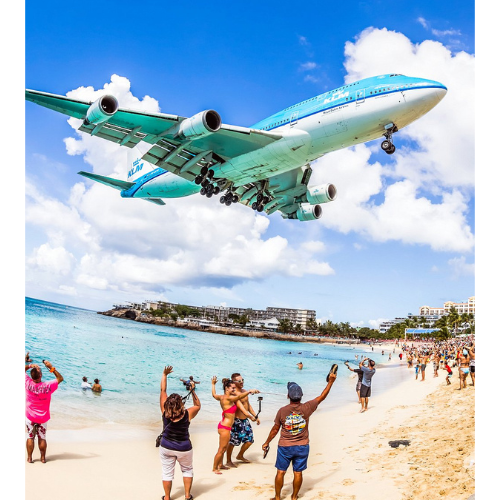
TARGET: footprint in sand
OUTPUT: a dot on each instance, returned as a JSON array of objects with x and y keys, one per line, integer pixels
[{"x": 347, "y": 482}]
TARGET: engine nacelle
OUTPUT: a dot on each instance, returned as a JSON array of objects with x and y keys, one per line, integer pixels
[
  {"x": 200, "y": 125},
  {"x": 321, "y": 194},
  {"x": 309, "y": 212},
  {"x": 101, "y": 110}
]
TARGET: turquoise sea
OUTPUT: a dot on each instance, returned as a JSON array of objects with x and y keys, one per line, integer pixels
[{"x": 128, "y": 358}]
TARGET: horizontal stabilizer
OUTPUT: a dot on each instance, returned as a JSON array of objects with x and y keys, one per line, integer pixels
[
  {"x": 156, "y": 201},
  {"x": 108, "y": 181}
]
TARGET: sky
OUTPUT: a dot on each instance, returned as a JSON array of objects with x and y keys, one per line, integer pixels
[{"x": 401, "y": 233}]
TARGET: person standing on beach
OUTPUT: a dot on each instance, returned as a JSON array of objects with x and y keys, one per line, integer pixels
[
  {"x": 359, "y": 372},
  {"x": 472, "y": 364},
  {"x": 38, "y": 396},
  {"x": 423, "y": 363},
  {"x": 463, "y": 368},
  {"x": 293, "y": 445},
  {"x": 365, "y": 390},
  {"x": 175, "y": 445},
  {"x": 448, "y": 374},
  {"x": 241, "y": 431},
  {"x": 228, "y": 404}
]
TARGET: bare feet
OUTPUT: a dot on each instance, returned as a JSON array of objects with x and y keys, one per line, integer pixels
[
  {"x": 231, "y": 465},
  {"x": 42, "y": 459},
  {"x": 223, "y": 467},
  {"x": 217, "y": 471},
  {"x": 362, "y": 410},
  {"x": 30, "y": 460},
  {"x": 243, "y": 459}
]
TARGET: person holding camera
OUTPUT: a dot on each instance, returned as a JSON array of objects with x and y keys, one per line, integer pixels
[
  {"x": 38, "y": 396},
  {"x": 365, "y": 391},
  {"x": 175, "y": 445}
]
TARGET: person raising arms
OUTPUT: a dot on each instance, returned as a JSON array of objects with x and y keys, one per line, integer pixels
[
  {"x": 227, "y": 402},
  {"x": 175, "y": 445}
]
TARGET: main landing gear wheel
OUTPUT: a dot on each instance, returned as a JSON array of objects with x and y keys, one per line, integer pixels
[
  {"x": 204, "y": 171},
  {"x": 222, "y": 199},
  {"x": 199, "y": 179},
  {"x": 216, "y": 190}
]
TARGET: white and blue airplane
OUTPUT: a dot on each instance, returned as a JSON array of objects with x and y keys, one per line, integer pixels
[{"x": 267, "y": 166}]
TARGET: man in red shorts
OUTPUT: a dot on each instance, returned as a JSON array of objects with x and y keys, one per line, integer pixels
[{"x": 38, "y": 396}]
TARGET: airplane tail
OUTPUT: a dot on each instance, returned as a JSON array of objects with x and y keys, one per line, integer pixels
[
  {"x": 136, "y": 167},
  {"x": 117, "y": 184}
]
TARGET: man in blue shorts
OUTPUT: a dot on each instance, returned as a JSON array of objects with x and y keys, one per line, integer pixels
[
  {"x": 293, "y": 445},
  {"x": 241, "y": 431}
]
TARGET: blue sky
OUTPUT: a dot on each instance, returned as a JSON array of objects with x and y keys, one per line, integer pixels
[{"x": 399, "y": 236}]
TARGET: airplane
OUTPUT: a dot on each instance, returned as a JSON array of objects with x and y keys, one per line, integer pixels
[{"x": 265, "y": 167}]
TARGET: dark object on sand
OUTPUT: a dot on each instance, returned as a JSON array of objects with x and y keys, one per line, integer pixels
[
  {"x": 266, "y": 451},
  {"x": 333, "y": 370},
  {"x": 395, "y": 444}
]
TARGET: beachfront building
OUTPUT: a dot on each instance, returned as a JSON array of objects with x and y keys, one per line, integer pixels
[
  {"x": 296, "y": 316},
  {"x": 468, "y": 307},
  {"x": 264, "y": 324}
]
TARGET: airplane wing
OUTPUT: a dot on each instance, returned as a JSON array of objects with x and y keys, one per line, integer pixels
[{"x": 172, "y": 152}]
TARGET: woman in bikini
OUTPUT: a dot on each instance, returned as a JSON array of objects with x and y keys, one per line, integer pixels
[{"x": 228, "y": 404}]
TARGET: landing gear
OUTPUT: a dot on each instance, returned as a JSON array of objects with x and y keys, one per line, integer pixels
[{"x": 387, "y": 145}]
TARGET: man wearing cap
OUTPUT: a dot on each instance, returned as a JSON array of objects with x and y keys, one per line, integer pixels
[{"x": 293, "y": 445}]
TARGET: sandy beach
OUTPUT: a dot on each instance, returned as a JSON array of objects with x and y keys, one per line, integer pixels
[{"x": 350, "y": 457}]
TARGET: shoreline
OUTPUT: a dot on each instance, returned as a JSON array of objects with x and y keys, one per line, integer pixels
[
  {"x": 135, "y": 315},
  {"x": 349, "y": 455}
]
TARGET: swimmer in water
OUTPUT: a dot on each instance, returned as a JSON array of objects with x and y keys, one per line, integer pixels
[{"x": 300, "y": 365}]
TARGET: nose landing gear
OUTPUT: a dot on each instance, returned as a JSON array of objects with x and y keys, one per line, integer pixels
[{"x": 387, "y": 145}]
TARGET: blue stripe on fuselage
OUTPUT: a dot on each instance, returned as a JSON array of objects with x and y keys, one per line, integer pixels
[
  {"x": 305, "y": 109},
  {"x": 129, "y": 193}
]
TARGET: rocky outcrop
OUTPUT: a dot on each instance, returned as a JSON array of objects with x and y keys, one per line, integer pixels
[{"x": 136, "y": 315}]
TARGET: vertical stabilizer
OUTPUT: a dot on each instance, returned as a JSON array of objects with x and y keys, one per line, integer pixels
[{"x": 136, "y": 167}]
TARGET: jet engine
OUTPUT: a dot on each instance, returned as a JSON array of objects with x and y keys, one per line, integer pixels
[
  {"x": 309, "y": 212},
  {"x": 321, "y": 194},
  {"x": 200, "y": 125},
  {"x": 101, "y": 110}
]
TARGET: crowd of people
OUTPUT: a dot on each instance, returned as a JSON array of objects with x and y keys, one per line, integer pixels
[
  {"x": 235, "y": 428},
  {"x": 445, "y": 355}
]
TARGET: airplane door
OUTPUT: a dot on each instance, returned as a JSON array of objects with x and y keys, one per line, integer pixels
[
  {"x": 360, "y": 96},
  {"x": 293, "y": 118}
]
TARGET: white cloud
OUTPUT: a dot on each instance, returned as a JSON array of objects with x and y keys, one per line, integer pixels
[
  {"x": 308, "y": 66},
  {"x": 51, "y": 260},
  {"x": 138, "y": 247},
  {"x": 422, "y": 195},
  {"x": 460, "y": 267}
]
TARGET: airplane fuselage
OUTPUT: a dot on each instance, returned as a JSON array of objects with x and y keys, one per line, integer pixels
[{"x": 352, "y": 114}]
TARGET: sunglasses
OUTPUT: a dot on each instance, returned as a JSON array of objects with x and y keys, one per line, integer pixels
[{"x": 239, "y": 381}]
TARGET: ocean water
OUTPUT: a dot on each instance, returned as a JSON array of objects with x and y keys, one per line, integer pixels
[{"x": 128, "y": 358}]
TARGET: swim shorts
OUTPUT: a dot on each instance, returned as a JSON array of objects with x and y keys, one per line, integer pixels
[
  {"x": 365, "y": 392},
  {"x": 473, "y": 368},
  {"x": 241, "y": 432},
  {"x": 298, "y": 455},
  {"x": 41, "y": 431},
  {"x": 358, "y": 386},
  {"x": 422, "y": 368}
]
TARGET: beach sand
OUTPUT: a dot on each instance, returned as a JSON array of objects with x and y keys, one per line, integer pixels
[{"x": 350, "y": 458}]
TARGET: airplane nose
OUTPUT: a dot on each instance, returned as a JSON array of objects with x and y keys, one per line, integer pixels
[{"x": 441, "y": 92}]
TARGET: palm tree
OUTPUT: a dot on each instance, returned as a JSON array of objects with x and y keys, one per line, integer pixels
[{"x": 454, "y": 319}]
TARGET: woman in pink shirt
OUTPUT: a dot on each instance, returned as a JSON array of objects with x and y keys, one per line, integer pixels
[{"x": 38, "y": 395}]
